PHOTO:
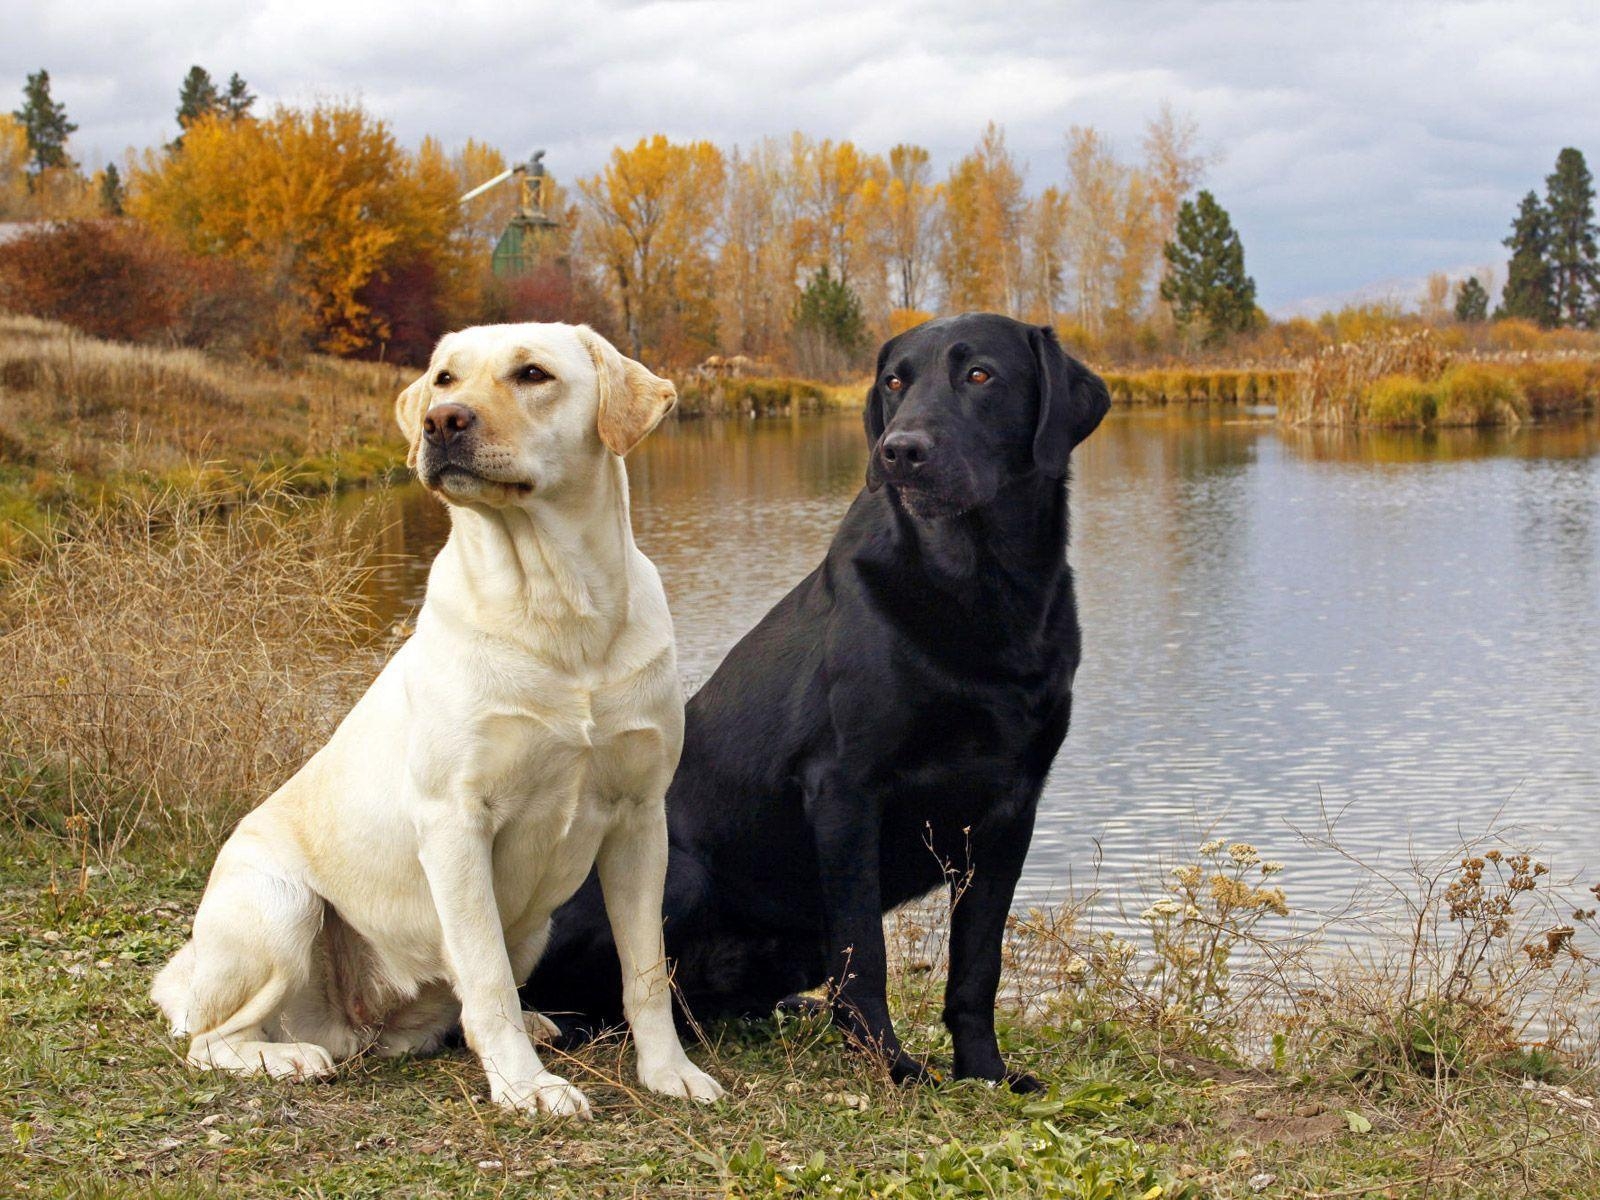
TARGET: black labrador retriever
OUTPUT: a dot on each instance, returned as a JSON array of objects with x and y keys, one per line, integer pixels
[{"x": 887, "y": 727}]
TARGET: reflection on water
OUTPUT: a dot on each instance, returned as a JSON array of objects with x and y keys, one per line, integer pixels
[{"x": 1403, "y": 630}]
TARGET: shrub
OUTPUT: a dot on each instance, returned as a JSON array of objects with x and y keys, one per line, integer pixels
[
  {"x": 117, "y": 280},
  {"x": 1399, "y": 401},
  {"x": 755, "y": 397},
  {"x": 1474, "y": 394},
  {"x": 1335, "y": 384},
  {"x": 1559, "y": 385}
]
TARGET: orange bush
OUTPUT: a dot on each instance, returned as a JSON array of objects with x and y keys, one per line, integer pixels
[{"x": 114, "y": 279}]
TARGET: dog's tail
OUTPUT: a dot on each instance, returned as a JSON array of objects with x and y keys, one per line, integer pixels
[{"x": 173, "y": 988}]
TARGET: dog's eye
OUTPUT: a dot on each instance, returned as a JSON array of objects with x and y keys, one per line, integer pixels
[
  {"x": 893, "y": 382},
  {"x": 532, "y": 373},
  {"x": 443, "y": 379},
  {"x": 977, "y": 375}
]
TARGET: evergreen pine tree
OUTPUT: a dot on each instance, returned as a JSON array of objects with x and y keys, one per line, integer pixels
[
  {"x": 1570, "y": 245},
  {"x": 46, "y": 125},
  {"x": 236, "y": 101},
  {"x": 1527, "y": 293},
  {"x": 197, "y": 97},
  {"x": 111, "y": 193},
  {"x": 1472, "y": 300},
  {"x": 1206, "y": 284},
  {"x": 829, "y": 307}
]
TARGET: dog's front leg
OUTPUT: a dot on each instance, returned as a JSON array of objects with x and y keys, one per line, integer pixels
[
  {"x": 633, "y": 871},
  {"x": 981, "y": 901},
  {"x": 456, "y": 841},
  {"x": 845, "y": 830}
]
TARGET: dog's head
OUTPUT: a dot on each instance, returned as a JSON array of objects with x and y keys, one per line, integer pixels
[
  {"x": 506, "y": 412},
  {"x": 962, "y": 405}
]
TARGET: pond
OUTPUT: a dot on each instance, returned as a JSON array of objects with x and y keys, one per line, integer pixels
[{"x": 1395, "y": 634}]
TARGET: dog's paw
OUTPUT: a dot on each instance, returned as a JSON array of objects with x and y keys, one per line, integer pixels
[
  {"x": 907, "y": 1068},
  {"x": 540, "y": 1027},
  {"x": 547, "y": 1093},
  {"x": 1022, "y": 1083},
  {"x": 280, "y": 1060},
  {"x": 797, "y": 1005},
  {"x": 682, "y": 1079}
]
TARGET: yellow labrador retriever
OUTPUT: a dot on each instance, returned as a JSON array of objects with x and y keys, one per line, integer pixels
[{"x": 403, "y": 880}]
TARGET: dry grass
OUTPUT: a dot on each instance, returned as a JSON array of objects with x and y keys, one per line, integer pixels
[
  {"x": 80, "y": 416},
  {"x": 753, "y": 396},
  {"x": 165, "y": 668},
  {"x": 1404, "y": 379},
  {"x": 1201, "y": 386},
  {"x": 1336, "y": 381}
]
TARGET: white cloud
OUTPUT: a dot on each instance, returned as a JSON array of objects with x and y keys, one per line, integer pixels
[{"x": 1359, "y": 141}]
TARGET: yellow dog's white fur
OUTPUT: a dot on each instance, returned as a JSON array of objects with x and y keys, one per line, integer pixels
[{"x": 403, "y": 880}]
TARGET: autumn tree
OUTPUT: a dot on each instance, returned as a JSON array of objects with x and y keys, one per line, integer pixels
[
  {"x": 320, "y": 201},
  {"x": 1206, "y": 285},
  {"x": 1095, "y": 188},
  {"x": 1528, "y": 293},
  {"x": 1472, "y": 300},
  {"x": 1139, "y": 245},
  {"x": 1435, "y": 298},
  {"x": 910, "y": 225},
  {"x": 1174, "y": 165},
  {"x": 650, "y": 220},
  {"x": 1045, "y": 255},
  {"x": 758, "y": 259},
  {"x": 985, "y": 211},
  {"x": 1570, "y": 242},
  {"x": 14, "y": 156},
  {"x": 484, "y": 217},
  {"x": 842, "y": 193}
]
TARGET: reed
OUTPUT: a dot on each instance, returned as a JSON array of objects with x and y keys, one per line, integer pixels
[{"x": 1200, "y": 385}]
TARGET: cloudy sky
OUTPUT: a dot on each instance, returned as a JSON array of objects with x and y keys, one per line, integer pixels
[{"x": 1358, "y": 145}]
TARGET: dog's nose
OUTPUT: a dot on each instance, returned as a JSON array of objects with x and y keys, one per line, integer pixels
[
  {"x": 904, "y": 452},
  {"x": 443, "y": 423}
]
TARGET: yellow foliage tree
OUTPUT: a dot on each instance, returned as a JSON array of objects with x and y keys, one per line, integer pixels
[
  {"x": 1095, "y": 185},
  {"x": 985, "y": 212},
  {"x": 843, "y": 195},
  {"x": 911, "y": 212},
  {"x": 757, "y": 262},
  {"x": 321, "y": 199},
  {"x": 650, "y": 216},
  {"x": 13, "y": 169}
]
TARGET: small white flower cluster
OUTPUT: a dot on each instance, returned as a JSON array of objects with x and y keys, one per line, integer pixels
[{"x": 1164, "y": 907}]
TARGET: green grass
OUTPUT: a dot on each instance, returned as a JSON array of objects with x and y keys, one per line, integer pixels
[{"x": 98, "y": 1101}]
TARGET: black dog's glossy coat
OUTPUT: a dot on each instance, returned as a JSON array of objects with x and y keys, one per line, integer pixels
[{"x": 887, "y": 727}]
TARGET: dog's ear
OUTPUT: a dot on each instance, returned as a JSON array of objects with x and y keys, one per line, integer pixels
[
  {"x": 632, "y": 399},
  {"x": 875, "y": 417},
  {"x": 1072, "y": 400},
  {"x": 408, "y": 410}
]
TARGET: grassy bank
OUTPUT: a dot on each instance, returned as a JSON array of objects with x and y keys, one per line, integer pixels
[
  {"x": 82, "y": 418},
  {"x": 1410, "y": 381},
  {"x": 782, "y": 397},
  {"x": 1200, "y": 386},
  {"x": 163, "y": 671},
  {"x": 764, "y": 397}
]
